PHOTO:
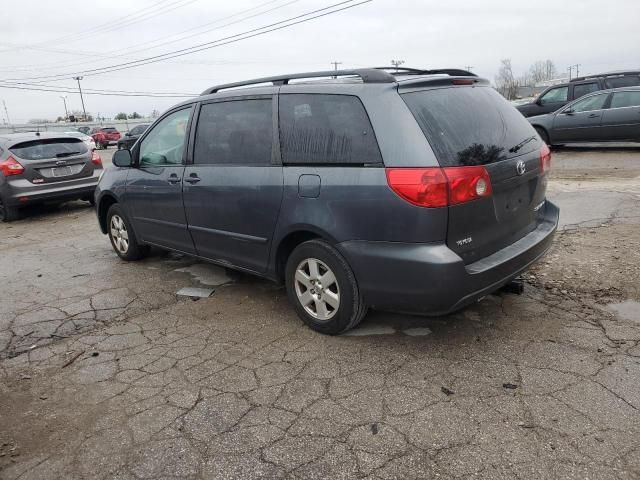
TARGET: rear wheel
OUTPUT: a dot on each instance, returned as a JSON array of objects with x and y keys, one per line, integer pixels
[
  {"x": 7, "y": 213},
  {"x": 323, "y": 289},
  {"x": 123, "y": 239},
  {"x": 543, "y": 135}
]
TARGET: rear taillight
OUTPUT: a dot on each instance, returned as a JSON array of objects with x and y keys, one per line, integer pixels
[
  {"x": 11, "y": 167},
  {"x": 439, "y": 187},
  {"x": 545, "y": 158},
  {"x": 95, "y": 159}
]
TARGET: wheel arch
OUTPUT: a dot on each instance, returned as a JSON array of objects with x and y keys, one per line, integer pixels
[
  {"x": 103, "y": 207},
  {"x": 289, "y": 241}
]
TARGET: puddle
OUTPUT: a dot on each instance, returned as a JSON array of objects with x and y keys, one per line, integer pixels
[
  {"x": 207, "y": 274},
  {"x": 369, "y": 330},
  {"x": 628, "y": 310}
]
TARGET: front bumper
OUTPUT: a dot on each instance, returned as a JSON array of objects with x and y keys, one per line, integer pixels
[
  {"x": 23, "y": 192},
  {"x": 432, "y": 279}
]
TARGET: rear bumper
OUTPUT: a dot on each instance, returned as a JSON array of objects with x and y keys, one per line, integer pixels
[
  {"x": 432, "y": 279},
  {"x": 23, "y": 192}
]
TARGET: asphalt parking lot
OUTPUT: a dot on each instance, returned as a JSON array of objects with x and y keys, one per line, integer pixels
[{"x": 106, "y": 373}]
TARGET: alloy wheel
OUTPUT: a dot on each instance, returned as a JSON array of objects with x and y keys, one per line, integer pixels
[
  {"x": 317, "y": 289},
  {"x": 119, "y": 235}
]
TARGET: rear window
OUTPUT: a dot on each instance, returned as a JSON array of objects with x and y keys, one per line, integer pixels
[
  {"x": 109, "y": 130},
  {"x": 49, "y": 148},
  {"x": 326, "y": 129},
  {"x": 470, "y": 125},
  {"x": 628, "y": 81}
]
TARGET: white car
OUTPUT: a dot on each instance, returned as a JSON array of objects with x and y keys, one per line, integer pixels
[{"x": 88, "y": 141}]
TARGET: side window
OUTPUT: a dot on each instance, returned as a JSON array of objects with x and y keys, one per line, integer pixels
[
  {"x": 595, "y": 102},
  {"x": 238, "y": 132},
  {"x": 626, "y": 81},
  {"x": 626, "y": 99},
  {"x": 165, "y": 143},
  {"x": 555, "y": 95},
  {"x": 317, "y": 128},
  {"x": 584, "y": 88}
]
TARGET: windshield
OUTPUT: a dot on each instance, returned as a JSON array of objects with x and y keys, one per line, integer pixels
[
  {"x": 470, "y": 125},
  {"x": 49, "y": 148}
]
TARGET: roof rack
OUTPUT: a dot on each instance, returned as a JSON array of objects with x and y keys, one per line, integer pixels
[
  {"x": 620, "y": 73},
  {"x": 368, "y": 75},
  {"x": 454, "y": 72}
]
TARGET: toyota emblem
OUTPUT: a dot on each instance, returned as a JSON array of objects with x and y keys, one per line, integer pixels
[{"x": 521, "y": 167}]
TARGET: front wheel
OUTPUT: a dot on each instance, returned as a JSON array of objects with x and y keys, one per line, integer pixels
[
  {"x": 323, "y": 289},
  {"x": 123, "y": 239}
]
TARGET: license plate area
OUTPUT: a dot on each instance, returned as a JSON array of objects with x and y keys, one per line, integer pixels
[
  {"x": 514, "y": 200},
  {"x": 61, "y": 171}
]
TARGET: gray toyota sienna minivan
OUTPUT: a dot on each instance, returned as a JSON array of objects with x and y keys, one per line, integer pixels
[{"x": 420, "y": 191}]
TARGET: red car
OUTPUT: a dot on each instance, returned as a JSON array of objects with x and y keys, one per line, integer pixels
[{"x": 104, "y": 136}]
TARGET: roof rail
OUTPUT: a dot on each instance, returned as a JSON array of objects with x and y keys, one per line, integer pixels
[
  {"x": 619, "y": 73},
  {"x": 454, "y": 72},
  {"x": 368, "y": 75}
]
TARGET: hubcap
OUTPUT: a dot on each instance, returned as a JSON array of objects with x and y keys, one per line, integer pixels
[
  {"x": 119, "y": 235},
  {"x": 317, "y": 289}
]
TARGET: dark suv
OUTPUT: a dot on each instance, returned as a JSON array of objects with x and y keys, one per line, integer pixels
[
  {"x": 559, "y": 95},
  {"x": 419, "y": 192}
]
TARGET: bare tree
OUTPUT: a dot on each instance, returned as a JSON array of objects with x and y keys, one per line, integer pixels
[
  {"x": 542, "y": 70},
  {"x": 505, "y": 81}
]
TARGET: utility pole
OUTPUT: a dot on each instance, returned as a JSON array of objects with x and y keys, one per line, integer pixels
[
  {"x": 397, "y": 63},
  {"x": 335, "y": 66},
  {"x": 571, "y": 67},
  {"x": 468, "y": 68},
  {"x": 66, "y": 112},
  {"x": 81, "y": 99},
  {"x": 6, "y": 112}
]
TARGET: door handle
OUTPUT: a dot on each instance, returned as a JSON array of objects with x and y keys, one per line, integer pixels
[
  {"x": 594, "y": 115},
  {"x": 193, "y": 178},
  {"x": 173, "y": 179}
]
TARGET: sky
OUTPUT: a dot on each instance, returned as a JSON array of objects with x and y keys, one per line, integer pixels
[{"x": 48, "y": 43}]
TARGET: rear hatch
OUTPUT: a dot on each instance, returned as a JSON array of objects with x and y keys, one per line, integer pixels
[
  {"x": 476, "y": 126},
  {"x": 51, "y": 160}
]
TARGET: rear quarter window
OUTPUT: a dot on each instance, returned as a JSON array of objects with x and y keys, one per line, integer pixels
[
  {"x": 628, "y": 81},
  {"x": 470, "y": 125},
  {"x": 49, "y": 148},
  {"x": 326, "y": 129}
]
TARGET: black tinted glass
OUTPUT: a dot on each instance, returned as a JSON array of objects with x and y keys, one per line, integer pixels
[
  {"x": 629, "y": 81},
  {"x": 583, "y": 89},
  {"x": 237, "y": 132},
  {"x": 470, "y": 126},
  {"x": 326, "y": 129},
  {"x": 49, "y": 148}
]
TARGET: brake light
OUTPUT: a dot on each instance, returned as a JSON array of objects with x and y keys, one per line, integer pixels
[
  {"x": 11, "y": 167},
  {"x": 439, "y": 187},
  {"x": 95, "y": 159},
  {"x": 545, "y": 158},
  {"x": 462, "y": 82}
]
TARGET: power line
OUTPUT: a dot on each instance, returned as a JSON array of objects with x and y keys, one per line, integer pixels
[
  {"x": 57, "y": 66},
  {"x": 108, "y": 94},
  {"x": 86, "y": 90},
  {"x": 314, "y": 14}
]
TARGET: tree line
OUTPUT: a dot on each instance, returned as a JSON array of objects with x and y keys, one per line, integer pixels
[{"x": 507, "y": 83}]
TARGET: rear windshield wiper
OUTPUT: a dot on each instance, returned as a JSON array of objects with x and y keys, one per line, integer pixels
[
  {"x": 66, "y": 154},
  {"x": 517, "y": 147}
]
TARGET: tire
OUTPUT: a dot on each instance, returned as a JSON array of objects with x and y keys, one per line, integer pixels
[
  {"x": 338, "y": 305},
  {"x": 8, "y": 214},
  {"x": 122, "y": 237},
  {"x": 543, "y": 135}
]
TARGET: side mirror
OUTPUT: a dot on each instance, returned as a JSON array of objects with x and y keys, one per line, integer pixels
[
  {"x": 568, "y": 111},
  {"x": 538, "y": 101},
  {"x": 128, "y": 134},
  {"x": 122, "y": 158}
]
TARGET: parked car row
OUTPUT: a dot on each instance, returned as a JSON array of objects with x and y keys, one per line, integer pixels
[
  {"x": 604, "y": 116},
  {"x": 559, "y": 95}
]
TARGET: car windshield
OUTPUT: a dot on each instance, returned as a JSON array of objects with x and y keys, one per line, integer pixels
[{"x": 49, "y": 148}]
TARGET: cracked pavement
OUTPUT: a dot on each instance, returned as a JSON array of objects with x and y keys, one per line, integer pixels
[{"x": 106, "y": 373}]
